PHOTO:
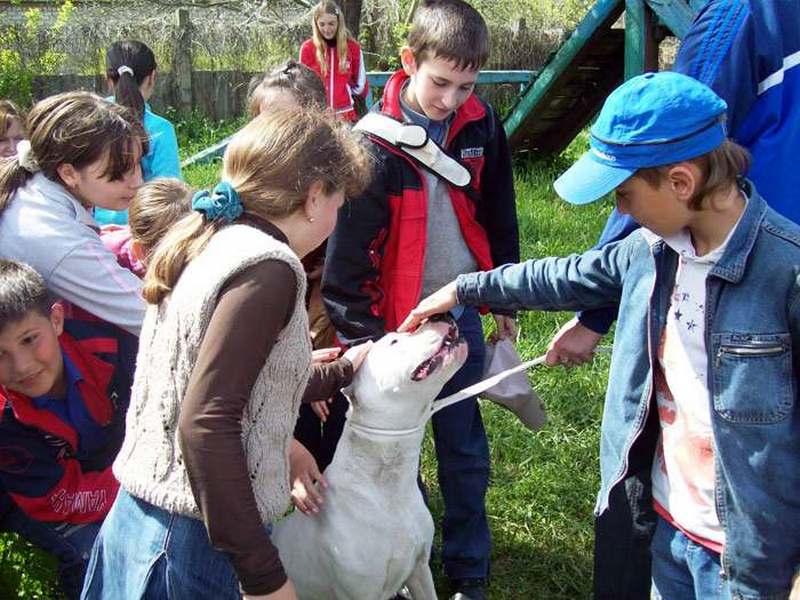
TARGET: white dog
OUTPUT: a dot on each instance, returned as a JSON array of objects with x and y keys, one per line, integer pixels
[{"x": 374, "y": 533}]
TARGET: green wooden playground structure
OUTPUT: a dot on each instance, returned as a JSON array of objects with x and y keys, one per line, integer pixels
[{"x": 558, "y": 101}]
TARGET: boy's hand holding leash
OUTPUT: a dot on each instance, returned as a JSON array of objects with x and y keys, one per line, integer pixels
[{"x": 574, "y": 344}]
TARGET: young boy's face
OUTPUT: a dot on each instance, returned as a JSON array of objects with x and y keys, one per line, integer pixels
[
  {"x": 659, "y": 209},
  {"x": 438, "y": 87},
  {"x": 30, "y": 355}
]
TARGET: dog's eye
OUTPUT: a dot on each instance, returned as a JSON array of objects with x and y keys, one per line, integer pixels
[{"x": 393, "y": 342}]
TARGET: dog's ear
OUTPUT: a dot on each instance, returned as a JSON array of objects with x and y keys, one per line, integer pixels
[{"x": 349, "y": 392}]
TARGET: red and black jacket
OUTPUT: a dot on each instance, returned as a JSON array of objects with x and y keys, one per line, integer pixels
[
  {"x": 376, "y": 255},
  {"x": 42, "y": 466}
]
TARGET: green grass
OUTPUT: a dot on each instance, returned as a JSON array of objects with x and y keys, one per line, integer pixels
[{"x": 543, "y": 485}]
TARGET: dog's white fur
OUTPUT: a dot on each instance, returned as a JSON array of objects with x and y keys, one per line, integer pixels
[{"x": 374, "y": 533}]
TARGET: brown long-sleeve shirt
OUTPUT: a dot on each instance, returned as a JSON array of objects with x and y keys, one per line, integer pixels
[{"x": 252, "y": 308}]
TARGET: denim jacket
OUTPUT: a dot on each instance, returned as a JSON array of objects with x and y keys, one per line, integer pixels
[{"x": 752, "y": 325}]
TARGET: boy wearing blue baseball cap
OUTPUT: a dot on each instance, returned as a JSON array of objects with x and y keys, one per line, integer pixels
[{"x": 703, "y": 383}]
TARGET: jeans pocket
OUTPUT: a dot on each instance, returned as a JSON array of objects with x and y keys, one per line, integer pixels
[{"x": 753, "y": 379}]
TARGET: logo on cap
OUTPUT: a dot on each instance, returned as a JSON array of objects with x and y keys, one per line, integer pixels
[{"x": 604, "y": 155}]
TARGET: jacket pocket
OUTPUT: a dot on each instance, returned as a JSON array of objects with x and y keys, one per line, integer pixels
[{"x": 753, "y": 380}]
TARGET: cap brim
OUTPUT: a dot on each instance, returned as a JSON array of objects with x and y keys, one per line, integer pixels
[{"x": 589, "y": 180}]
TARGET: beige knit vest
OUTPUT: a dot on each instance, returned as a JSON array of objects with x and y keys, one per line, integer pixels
[{"x": 150, "y": 465}]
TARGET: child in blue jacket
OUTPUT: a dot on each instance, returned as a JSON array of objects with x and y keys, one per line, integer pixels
[{"x": 703, "y": 383}]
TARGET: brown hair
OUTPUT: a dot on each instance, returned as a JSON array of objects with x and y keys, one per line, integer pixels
[
  {"x": 8, "y": 113},
  {"x": 78, "y": 128},
  {"x": 719, "y": 170},
  {"x": 272, "y": 164},
  {"x": 22, "y": 290},
  {"x": 157, "y": 205},
  {"x": 328, "y": 7},
  {"x": 450, "y": 29},
  {"x": 297, "y": 79}
]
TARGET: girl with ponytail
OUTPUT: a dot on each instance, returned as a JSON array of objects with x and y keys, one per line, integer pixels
[
  {"x": 337, "y": 59},
  {"x": 82, "y": 153},
  {"x": 131, "y": 75},
  {"x": 224, "y": 361}
]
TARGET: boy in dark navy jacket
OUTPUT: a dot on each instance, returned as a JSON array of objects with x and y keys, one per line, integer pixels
[
  {"x": 64, "y": 390},
  {"x": 417, "y": 227}
]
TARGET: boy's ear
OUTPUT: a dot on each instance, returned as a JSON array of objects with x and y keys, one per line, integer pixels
[
  {"x": 68, "y": 174},
  {"x": 408, "y": 60},
  {"x": 684, "y": 180},
  {"x": 57, "y": 317}
]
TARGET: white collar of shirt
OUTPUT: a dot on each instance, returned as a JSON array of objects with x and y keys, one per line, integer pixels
[{"x": 681, "y": 243}]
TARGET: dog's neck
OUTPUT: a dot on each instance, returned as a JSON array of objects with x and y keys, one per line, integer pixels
[{"x": 391, "y": 457}]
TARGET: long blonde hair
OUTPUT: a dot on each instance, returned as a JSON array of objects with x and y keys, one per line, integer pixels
[
  {"x": 328, "y": 7},
  {"x": 272, "y": 164}
]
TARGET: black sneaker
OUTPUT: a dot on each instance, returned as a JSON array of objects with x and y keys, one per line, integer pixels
[{"x": 468, "y": 589}]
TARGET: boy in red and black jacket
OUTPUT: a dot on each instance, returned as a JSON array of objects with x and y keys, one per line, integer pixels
[
  {"x": 64, "y": 389},
  {"x": 413, "y": 230}
]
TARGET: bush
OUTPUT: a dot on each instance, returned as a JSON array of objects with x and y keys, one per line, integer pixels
[{"x": 28, "y": 50}]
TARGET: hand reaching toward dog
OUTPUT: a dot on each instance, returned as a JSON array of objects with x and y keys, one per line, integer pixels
[
  {"x": 354, "y": 355},
  {"x": 306, "y": 479},
  {"x": 574, "y": 344},
  {"x": 437, "y": 303},
  {"x": 506, "y": 328},
  {"x": 285, "y": 592},
  {"x": 357, "y": 354}
]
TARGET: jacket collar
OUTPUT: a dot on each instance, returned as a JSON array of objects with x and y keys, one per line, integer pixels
[
  {"x": 472, "y": 110},
  {"x": 733, "y": 261},
  {"x": 732, "y": 264},
  {"x": 55, "y": 192}
]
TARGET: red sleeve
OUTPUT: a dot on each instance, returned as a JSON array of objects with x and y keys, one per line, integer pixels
[
  {"x": 77, "y": 498},
  {"x": 308, "y": 55}
]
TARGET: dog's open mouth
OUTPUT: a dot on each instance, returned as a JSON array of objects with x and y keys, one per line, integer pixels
[{"x": 451, "y": 341}]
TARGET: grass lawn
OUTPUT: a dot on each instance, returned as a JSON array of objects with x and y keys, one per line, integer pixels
[{"x": 544, "y": 484}]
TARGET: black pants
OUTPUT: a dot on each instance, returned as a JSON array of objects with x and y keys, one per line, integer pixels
[
  {"x": 321, "y": 438},
  {"x": 622, "y": 537}
]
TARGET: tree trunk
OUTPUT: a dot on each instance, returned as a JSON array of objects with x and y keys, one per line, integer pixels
[{"x": 352, "y": 15}]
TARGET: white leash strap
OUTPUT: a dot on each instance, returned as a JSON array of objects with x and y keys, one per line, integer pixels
[
  {"x": 413, "y": 140},
  {"x": 484, "y": 385}
]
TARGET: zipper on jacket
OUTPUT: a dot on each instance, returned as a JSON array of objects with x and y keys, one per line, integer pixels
[{"x": 763, "y": 349}]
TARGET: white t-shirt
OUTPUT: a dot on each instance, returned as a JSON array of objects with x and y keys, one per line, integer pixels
[{"x": 683, "y": 472}]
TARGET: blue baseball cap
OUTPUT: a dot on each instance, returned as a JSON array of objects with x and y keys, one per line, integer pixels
[{"x": 651, "y": 120}]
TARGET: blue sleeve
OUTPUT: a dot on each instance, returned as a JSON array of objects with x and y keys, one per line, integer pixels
[
  {"x": 162, "y": 157},
  {"x": 722, "y": 50},
  {"x": 618, "y": 227},
  {"x": 592, "y": 280}
]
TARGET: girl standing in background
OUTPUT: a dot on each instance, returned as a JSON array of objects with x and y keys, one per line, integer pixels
[
  {"x": 337, "y": 59},
  {"x": 131, "y": 73}
]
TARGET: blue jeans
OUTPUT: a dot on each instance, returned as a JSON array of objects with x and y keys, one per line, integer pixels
[
  {"x": 70, "y": 544},
  {"x": 462, "y": 453},
  {"x": 145, "y": 552},
  {"x": 683, "y": 569}
]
